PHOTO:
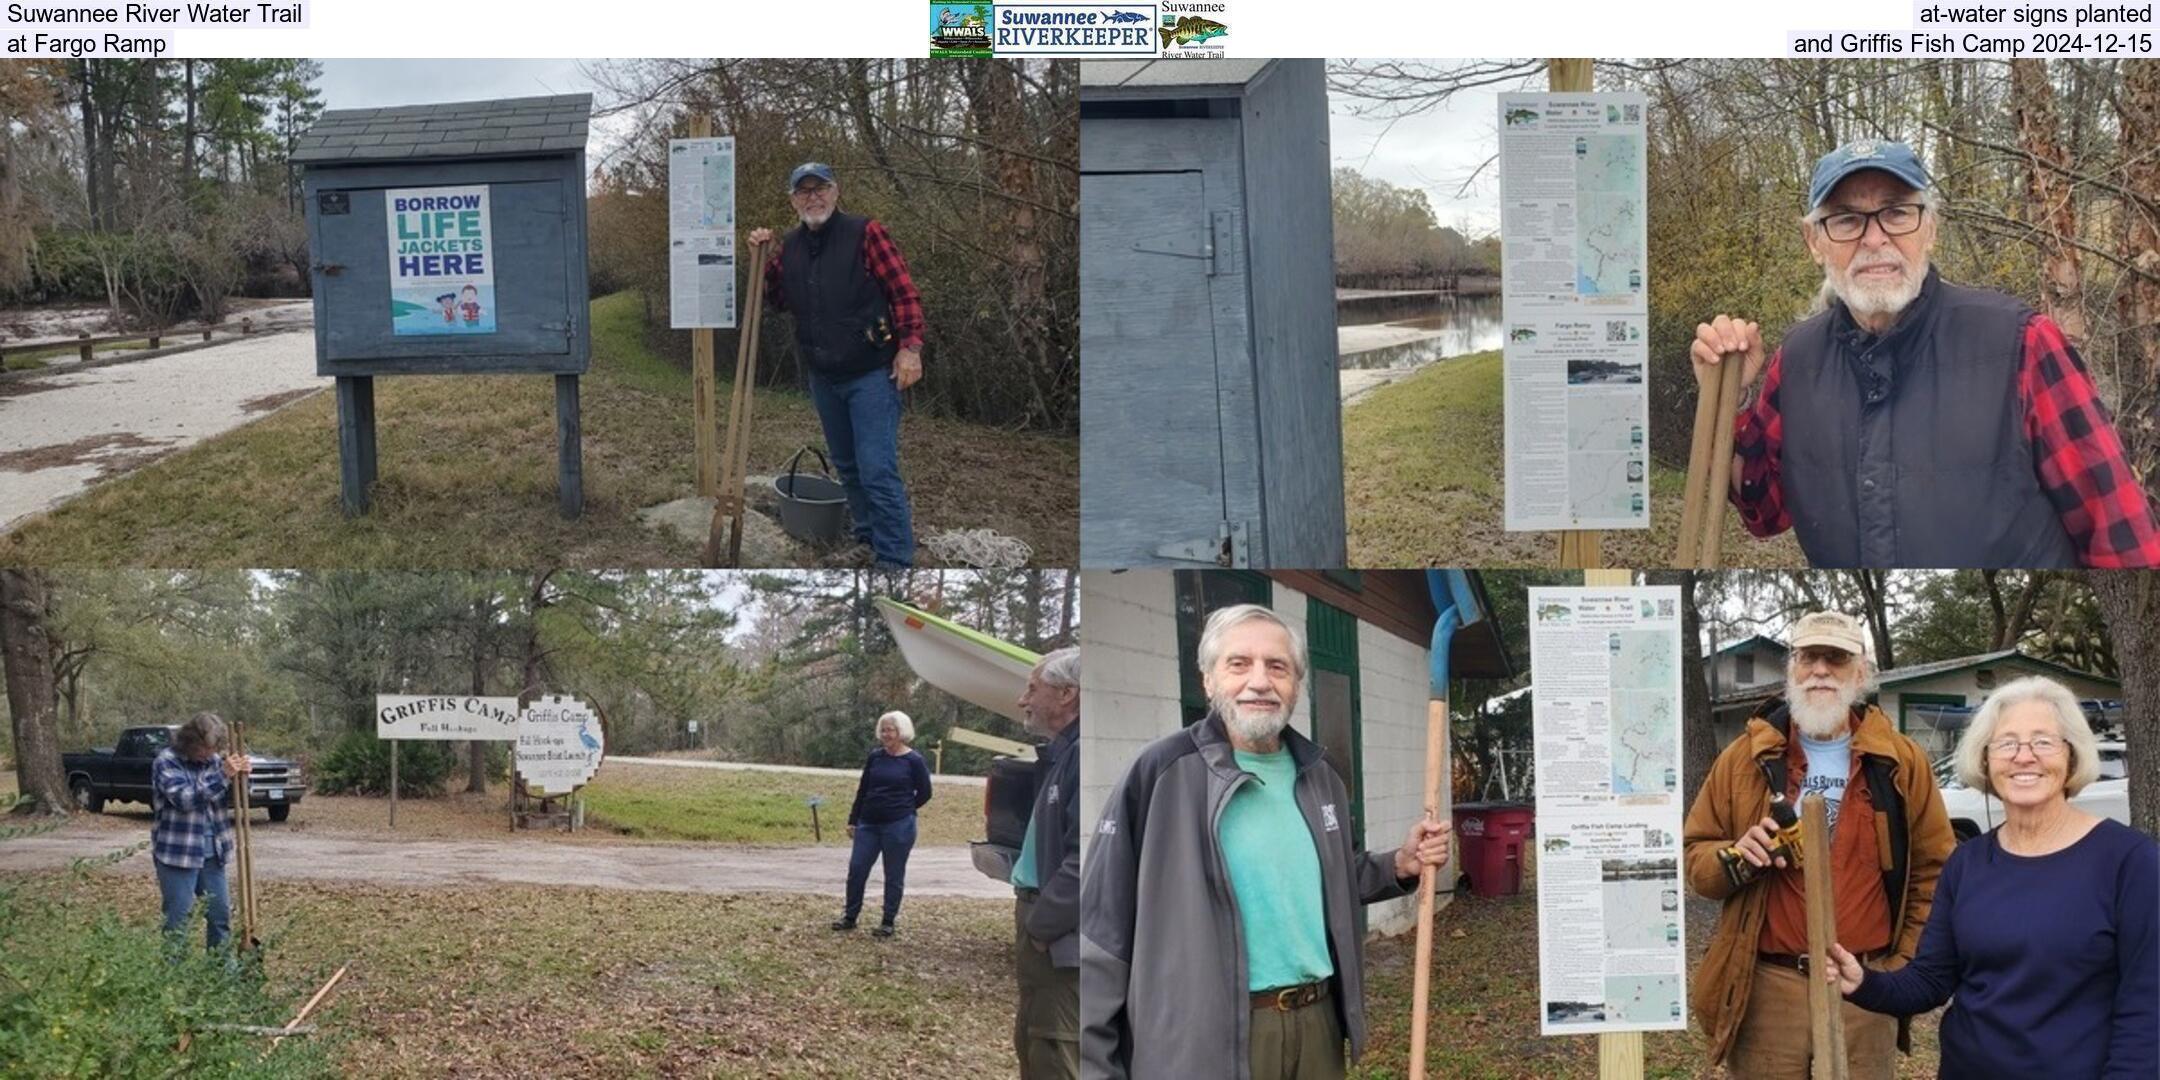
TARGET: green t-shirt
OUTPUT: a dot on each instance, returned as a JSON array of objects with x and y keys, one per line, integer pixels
[
  {"x": 1275, "y": 875},
  {"x": 1023, "y": 871}
]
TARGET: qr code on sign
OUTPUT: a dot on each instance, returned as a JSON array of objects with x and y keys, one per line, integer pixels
[
  {"x": 1631, "y": 113},
  {"x": 1665, "y": 609},
  {"x": 1615, "y": 330}
]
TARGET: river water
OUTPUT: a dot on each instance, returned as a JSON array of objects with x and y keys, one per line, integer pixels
[{"x": 1414, "y": 331}]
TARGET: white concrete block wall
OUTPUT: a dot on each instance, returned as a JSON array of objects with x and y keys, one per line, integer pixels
[
  {"x": 1128, "y": 678},
  {"x": 1392, "y": 685}
]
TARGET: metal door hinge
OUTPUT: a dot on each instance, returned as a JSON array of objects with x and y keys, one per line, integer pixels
[
  {"x": 1226, "y": 548},
  {"x": 1218, "y": 244}
]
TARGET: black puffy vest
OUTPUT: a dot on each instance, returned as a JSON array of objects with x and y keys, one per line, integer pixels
[
  {"x": 843, "y": 325},
  {"x": 1909, "y": 449}
]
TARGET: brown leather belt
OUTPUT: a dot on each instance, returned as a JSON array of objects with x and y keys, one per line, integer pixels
[
  {"x": 1799, "y": 963},
  {"x": 1287, "y": 998},
  {"x": 1787, "y": 961}
]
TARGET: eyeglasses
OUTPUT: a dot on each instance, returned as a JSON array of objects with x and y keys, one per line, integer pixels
[
  {"x": 1838, "y": 659},
  {"x": 2042, "y": 746},
  {"x": 1900, "y": 219},
  {"x": 808, "y": 190}
]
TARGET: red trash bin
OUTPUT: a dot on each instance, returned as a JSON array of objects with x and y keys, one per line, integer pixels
[{"x": 1491, "y": 837}]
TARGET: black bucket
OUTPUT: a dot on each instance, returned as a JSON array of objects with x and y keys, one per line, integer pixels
[{"x": 813, "y": 508}]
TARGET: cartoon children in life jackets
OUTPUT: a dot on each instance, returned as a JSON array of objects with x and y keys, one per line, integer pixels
[
  {"x": 469, "y": 303},
  {"x": 449, "y": 307}
]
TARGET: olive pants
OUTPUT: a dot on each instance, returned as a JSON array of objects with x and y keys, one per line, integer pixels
[
  {"x": 1301, "y": 1044},
  {"x": 1046, "y": 1026}
]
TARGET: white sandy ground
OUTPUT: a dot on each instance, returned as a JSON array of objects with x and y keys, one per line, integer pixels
[
  {"x": 1354, "y": 383},
  {"x": 941, "y": 870},
  {"x": 167, "y": 402}
]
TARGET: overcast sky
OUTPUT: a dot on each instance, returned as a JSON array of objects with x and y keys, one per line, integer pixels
[
  {"x": 371, "y": 84},
  {"x": 1434, "y": 151}
]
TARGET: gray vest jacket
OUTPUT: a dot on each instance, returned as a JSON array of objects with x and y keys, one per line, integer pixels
[
  {"x": 1909, "y": 449},
  {"x": 1055, "y": 918},
  {"x": 1163, "y": 989}
]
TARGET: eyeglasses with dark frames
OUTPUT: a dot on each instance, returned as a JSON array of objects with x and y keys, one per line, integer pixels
[{"x": 1898, "y": 219}]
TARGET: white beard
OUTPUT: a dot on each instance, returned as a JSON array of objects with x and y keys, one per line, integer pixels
[
  {"x": 1257, "y": 727},
  {"x": 1871, "y": 299},
  {"x": 817, "y": 221},
  {"x": 1823, "y": 722}
]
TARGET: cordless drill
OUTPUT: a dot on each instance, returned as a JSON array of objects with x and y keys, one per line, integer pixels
[{"x": 1785, "y": 844}]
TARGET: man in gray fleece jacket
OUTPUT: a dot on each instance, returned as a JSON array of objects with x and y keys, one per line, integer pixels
[{"x": 1218, "y": 933}]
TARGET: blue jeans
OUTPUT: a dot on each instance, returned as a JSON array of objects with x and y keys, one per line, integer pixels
[
  {"x": 892, "y": 840},
  {"x": 861, "y": 417},
  {"x": 179, "y": 886}
]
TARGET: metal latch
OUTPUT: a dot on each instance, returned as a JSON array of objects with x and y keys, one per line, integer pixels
[
  {"x": 329, "y": 269},
  {"x": 1218, "y": 241},
  {"x": 1226, "y": 548}
]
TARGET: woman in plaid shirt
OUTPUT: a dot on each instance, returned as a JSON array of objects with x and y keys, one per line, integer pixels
[{"x": 192, "y": 840}]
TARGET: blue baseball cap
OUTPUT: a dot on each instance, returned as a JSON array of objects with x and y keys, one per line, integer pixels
[
  {"x": 1894, "y": 158},
  {"x": 809, "y": 168}
]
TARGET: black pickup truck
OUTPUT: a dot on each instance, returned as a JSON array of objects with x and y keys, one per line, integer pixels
[
  {"x": 1008, "y": 801},
  {"x": 122, "y": 774}
]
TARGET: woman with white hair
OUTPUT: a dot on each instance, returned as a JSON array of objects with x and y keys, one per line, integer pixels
[
  {"x": 895, "y": 783},
  {"x": 191, "y": 838},
  {"x": 2046, "y": 930}
]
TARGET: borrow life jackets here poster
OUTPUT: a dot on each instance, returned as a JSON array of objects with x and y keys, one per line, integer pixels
[{"x": 442, "y": 260}]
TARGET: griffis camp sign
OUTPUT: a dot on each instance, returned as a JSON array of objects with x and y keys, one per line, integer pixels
[{"x": 442, "y": 260}]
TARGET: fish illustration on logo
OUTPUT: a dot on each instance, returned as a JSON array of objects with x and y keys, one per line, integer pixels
[
  {"x": 1190, "y": 30},
  {"x": 1125, "y": 17}
]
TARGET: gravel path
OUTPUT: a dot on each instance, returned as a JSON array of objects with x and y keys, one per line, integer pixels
[
  {"x": 63, "y": 431},
  {"x": 280, "y": 855}
]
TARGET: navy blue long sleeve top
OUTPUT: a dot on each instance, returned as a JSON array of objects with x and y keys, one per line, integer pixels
[
  {"x": 892, "y": 787},
  {"x": 2054, "y": 960}
]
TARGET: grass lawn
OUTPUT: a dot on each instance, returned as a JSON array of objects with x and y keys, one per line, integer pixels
[
  {"x": 1423, "y": 479},
  {"x": 467, "y": 478},
  {"x": 662, "y": 803},
  {"x": 531, "y": 981},
  {"x": 624, "y": 803},
  {"x": 1484, "y": 1023}
]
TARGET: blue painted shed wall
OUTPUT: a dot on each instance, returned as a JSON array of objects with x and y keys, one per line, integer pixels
[{"x": 539, "y": 233}]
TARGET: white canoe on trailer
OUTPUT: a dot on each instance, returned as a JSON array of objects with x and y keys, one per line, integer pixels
[{"x": 968, "y": 664}]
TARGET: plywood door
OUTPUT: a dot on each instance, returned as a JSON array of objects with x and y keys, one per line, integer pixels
[
  {"x": 529, "y": 231},
  {"x": 1151, "y": 458}
]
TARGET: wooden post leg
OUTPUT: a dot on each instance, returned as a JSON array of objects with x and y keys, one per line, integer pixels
[
  {"x": 569, "y": 448},
  {"x": 356, "y": 439},
  {"x": 368, "y": 458}
]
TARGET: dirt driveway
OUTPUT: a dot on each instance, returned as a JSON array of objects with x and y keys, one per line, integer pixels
[{"x": 698, "y": 868}]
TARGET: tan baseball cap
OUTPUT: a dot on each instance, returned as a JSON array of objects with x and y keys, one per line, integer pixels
[{"x": 1830, "y": 630}]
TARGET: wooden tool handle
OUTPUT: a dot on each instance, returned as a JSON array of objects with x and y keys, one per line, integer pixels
[
  {"x": 1428, "y": 884},
  {"x": 1698, "y": 469},
  {"x": 1826, "y": 1018}
]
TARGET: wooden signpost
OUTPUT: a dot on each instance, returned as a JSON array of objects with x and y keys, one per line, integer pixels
[
  {"x": 1826, "y": 1017},
  {"x": 1620, "y": 1053},
  {"x": 1580, "y": 549},
  {"x": 702, "y": 378}
]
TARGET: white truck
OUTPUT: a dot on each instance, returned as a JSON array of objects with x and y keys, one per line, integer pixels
[{"x": 1974, "y": 812}]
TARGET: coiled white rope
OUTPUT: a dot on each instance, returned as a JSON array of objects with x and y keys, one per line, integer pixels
[{"x": 985, "y": 548}]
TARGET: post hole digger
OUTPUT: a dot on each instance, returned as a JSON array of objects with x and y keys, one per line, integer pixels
[
  {"x": 1458, "y": 607},
  {"x": 1710, "y": 452},
  {"x": 249, "y": 939},
  {"x": 728, "y": 503}
]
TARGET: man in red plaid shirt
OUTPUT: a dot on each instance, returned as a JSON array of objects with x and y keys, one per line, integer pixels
[
  {"x": 1917, "y": 423},
  {"x": 859, "y": 331}
]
